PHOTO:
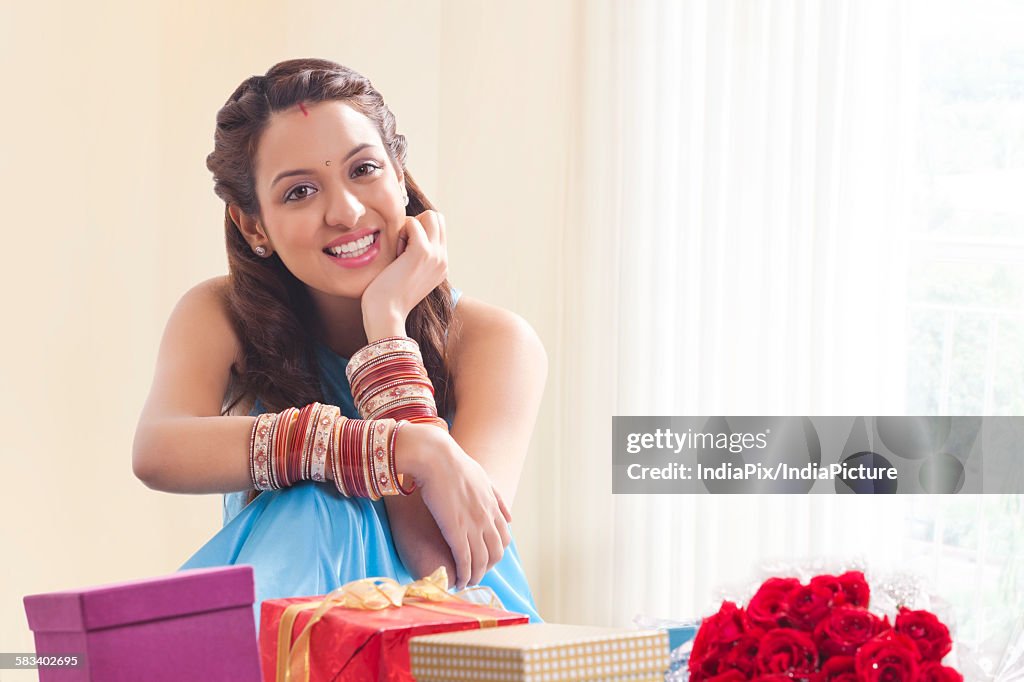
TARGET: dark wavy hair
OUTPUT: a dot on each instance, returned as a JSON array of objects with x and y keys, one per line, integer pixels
[{"x": 271, "y": 310}]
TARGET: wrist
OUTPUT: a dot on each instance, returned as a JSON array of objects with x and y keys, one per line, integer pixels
[
  {"x": 379, "y": 325},
  {"x": 412, "y": 445}
]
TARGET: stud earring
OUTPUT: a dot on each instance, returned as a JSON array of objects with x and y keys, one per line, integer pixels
[
  {"x": 260, "y": 251},
  {"x": 405, "y": 198}
]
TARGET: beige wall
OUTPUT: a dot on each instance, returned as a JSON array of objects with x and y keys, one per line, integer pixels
[{"x": 110, "y": 216}]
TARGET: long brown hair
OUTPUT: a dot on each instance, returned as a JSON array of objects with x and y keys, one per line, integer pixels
[{"x": 270, "y": 308}]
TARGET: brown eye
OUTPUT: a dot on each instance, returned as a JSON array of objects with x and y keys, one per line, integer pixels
[
  {"x": 369, "y": 168},
  {"x": 291, "y": 194}
]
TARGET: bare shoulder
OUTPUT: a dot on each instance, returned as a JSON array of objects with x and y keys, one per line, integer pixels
[
  {"x": 209, "y": 291},
  {"x": 197, "y": 351},
  {"x": 485, "y": 332},
  {"x": 202, "y": 314}
]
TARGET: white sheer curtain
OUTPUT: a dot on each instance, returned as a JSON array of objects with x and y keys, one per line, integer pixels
[{"x": 737, "y": 249}]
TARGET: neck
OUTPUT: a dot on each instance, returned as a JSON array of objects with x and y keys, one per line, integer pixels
[{"x": 342, "y": 322}]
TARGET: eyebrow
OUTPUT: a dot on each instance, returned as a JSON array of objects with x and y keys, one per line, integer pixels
[{"x": 307, "y": 171}]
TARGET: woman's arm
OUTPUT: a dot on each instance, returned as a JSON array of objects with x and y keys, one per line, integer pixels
[
  {"x": 182, "y": 444},
  {"x": 498, "y": 368}
]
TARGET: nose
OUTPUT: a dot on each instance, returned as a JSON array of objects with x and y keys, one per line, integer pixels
[{"x": 345, "y": 208}]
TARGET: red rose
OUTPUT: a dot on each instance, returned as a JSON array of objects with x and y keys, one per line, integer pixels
[
  {"x": 807, "y": 605},
  {"x": 844, "y": 629},
  {"x": 936, "y": 672},
  {"x": 728, "y": 676},
  {"x": 829, "y": 581},
  {"x": 786, "y": 651},
  {"x": 838, "y": 669},
  {"x": 855, "y": 590},
  {"x": 889, "y": 657},
  {"x": 767, "y": 608},
  {"x": 715, "y": 637},
  {"x": 706, "y": 668},
  {"x": 772, "y": 678},
  {"x": 928, "y": 633},
  {"x": 742, "y": 655},
  {"x": 848, "y": 589}
]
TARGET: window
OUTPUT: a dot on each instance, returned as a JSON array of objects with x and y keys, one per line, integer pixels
[{"x": 966, "y": 293}]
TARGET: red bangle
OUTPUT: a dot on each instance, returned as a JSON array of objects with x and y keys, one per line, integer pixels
[{"x": 395, "y": 476}]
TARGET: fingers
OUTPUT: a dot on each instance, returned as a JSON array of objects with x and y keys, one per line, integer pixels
[
  {"x": 495, "y": 548},
  {"x": 434, "y": 227},
  {"x": 503, "y": 531},
  {"x": 415, "y": 234},
  {"x": 461, "y": 553},
  {"x": 431, "y": 222},
  {"x": 480, "y": 561},
  {"x": 501, "y": 505}
]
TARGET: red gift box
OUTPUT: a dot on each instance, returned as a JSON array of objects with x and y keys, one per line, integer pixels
[{"x": 363, "y": 638}]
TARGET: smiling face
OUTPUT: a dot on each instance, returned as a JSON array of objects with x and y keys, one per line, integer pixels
[{"x": 330, "y": 196}]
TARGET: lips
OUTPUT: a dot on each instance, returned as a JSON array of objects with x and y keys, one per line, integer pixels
[
  {"x": 366, "y": 251},
  {"x": 349, "y": 238},
  {"x": 353, "y": 246}
]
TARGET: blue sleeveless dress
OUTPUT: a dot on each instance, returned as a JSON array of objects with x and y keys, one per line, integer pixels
[{"x": 308, "y": 539}]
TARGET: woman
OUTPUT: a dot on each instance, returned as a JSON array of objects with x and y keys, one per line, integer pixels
[{"x": 334, "y": 253}]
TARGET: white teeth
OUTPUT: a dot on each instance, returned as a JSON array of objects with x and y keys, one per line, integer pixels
[{"x": 353, "y": 249}]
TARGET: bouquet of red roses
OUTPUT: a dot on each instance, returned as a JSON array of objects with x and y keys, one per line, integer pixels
[{"x": 821, "y": 631}]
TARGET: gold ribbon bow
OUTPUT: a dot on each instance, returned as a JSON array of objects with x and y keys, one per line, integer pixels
[{"x": 372, "y": 594}]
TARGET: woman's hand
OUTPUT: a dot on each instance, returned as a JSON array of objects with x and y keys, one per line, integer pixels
[
  {"x": 468, "y": 510},
  {"x": 420, "y": 265}
]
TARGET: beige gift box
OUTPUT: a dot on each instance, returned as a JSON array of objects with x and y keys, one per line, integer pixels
[{"x": 541, "y": 652}]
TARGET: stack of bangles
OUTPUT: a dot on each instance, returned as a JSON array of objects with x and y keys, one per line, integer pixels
[
  {"x": 390, "y": 387},
  {"x": 388, "y": 380},
  {"x": 300, "y": 444}
]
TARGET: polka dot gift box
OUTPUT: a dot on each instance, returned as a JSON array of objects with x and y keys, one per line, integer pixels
[{"x": 541, "y": 652}]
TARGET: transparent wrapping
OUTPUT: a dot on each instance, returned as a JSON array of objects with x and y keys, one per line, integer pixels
[{"x": 999, "y": 658}]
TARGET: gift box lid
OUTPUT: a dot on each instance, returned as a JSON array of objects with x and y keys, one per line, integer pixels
[
  {"x": 185, "y": 592},
  {"x": 540, "y": 650}
]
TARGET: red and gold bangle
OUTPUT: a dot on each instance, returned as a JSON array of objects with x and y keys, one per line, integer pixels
[
  {"x": 334, "y": 454},
  {"x": 387, "y": 380},
  {"x": 299, "y": 444},
  {"x": 376, "y": 455},
  {"x": 376, "y": 349},
  {"x": 282, "y": 435},
  {"x": 381, "y": 469},
  {"x": 321, "y": 440},
  {"x": 259, "y": 462},
  {"x": 395, "y": 476},
  {"x": 272, "y": 428},
  {"x": 366, "y": 451},
  {"x": 357, "y": 462},
  {"x": 275, "y": 452},
  {"x": 408, "y": 392},
  {"x": 307, "y": 442},
  {"x": 350, "y": 458},
  {"x": 344, "y": 455},
  {"x": 292, "y": 442},
  {"x": 406, "y": 362},
  {"x": 264, "y": 428},
  {"x": 384, "y": 366}
]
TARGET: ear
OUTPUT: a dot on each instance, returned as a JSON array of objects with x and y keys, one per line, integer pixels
[{"x": 251, "y": 230}]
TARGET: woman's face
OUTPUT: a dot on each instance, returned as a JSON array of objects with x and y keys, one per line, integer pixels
[{"x": 331, "y": 199}]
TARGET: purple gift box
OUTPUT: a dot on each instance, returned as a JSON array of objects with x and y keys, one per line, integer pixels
[{"x": 192, "y": 625}]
